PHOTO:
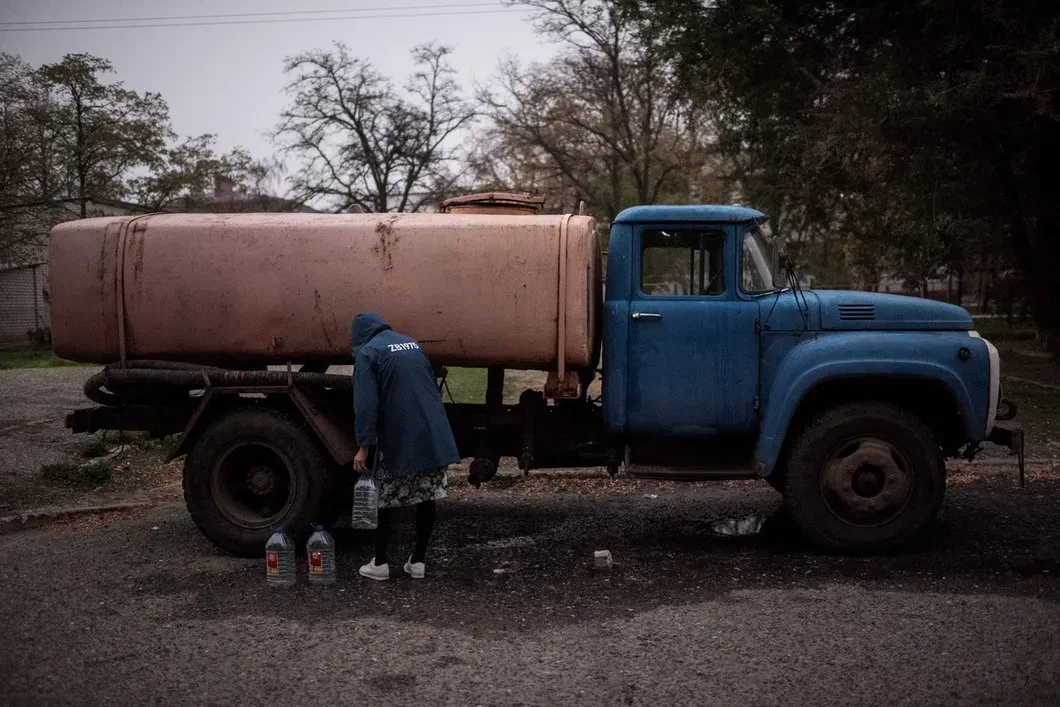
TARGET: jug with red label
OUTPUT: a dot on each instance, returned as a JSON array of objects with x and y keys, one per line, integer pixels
[{"x": 279, "y": 560}]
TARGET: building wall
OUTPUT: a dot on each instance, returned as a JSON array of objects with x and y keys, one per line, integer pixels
[
  {"x": 23, "y": 304},
  {"x": 23, "y": 285}
]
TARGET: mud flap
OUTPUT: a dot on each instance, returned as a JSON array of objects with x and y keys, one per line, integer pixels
[{"x": 1013, "y": 439}]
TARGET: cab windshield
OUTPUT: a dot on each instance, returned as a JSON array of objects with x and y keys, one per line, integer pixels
[{"x": 759, "y": 260}]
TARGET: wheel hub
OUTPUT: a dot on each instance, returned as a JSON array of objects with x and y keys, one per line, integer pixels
[
  {"x": 253, "y": 484},
  {"x": 866, "y": 481},
  {"x": 261, "y": 480}
]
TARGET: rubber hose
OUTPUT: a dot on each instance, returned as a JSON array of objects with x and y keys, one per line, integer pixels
[
  {"x": 167, "y": 365},
  {"x": 198, "y": 378}
]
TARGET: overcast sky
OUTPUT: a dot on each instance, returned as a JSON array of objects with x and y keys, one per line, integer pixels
[{"x": 228, "y": 80}]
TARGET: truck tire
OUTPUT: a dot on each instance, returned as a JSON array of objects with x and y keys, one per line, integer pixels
[
  {"x": 864, "y": 477},
  {"x": 252, "y": 469}
]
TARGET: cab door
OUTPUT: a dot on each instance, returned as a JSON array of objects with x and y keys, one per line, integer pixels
[{"x": 693, "y": 350}]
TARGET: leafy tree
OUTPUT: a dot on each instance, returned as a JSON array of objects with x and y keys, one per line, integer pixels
[
  {"x": 105, "y": 129},
  {"x": 923, "y": 132},
  {"x": 185, "y": 174},
  {"x": 66, "y": 133},
  {"x": 14, "y": 127},
  {"x": 364, "y": 142},
  {"x": 30, "y": 158}
]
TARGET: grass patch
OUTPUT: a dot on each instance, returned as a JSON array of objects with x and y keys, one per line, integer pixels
[
  {"x": 467, "y": 385},
  {"x": 128, "y": 442},
  {"x": 74, "y": 474},
  {"x": 998, "y": 329},
  {"x": 1039, "y": 410},
  {"x": 138, "y": 466},
  {"x": 94, "y": 450},
  {"x": 31, "y": 357}
]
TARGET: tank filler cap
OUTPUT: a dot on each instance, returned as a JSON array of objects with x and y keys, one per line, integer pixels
[{"x": 494, "y": 202}]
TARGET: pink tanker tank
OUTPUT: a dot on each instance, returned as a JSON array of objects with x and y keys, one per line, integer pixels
[{"x": 516, "y": 291}]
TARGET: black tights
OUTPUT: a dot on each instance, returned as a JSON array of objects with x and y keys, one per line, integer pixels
[{"x": 424, "y": 525}]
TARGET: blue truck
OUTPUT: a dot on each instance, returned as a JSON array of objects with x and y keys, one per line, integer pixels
[
  {"x": 846, "y": 402},
  {"x": 716, "y": 364}
]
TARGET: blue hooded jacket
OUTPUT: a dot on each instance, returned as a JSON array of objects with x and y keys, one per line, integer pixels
[{"x": 396, "y": 401}]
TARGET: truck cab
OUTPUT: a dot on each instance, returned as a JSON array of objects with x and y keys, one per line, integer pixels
[{"x": 846, "y": 402}]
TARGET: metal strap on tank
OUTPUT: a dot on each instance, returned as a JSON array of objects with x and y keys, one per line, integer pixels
[
  {"x": 119, "y": 284},
  {"x": 561, "y": 314}
]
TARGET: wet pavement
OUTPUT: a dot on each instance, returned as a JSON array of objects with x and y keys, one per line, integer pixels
[{"x": 712, "y": 600}]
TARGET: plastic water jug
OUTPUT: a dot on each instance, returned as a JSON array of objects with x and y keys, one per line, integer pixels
[
  {"x": 320, "y": 548},
  {"x": 365, "y": 503},
  {"x": 279, "y": 560}
]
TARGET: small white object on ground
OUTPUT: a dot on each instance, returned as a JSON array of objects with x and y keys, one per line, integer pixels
[
  {"x": 603, "y": 559},
  {"x": 499, "y": 570},
  {"x": 154, "y": 527},
  {"x": 651, "y": 495},
  {"x": 739, "y": 526}
]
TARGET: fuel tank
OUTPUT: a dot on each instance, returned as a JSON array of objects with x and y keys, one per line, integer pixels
[{"x": 508, "y": 290}]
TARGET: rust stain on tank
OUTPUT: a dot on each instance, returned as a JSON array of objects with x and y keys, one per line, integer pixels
[
  {"x": 387, "y": 241},
  {"x": 320, "y": 314}
]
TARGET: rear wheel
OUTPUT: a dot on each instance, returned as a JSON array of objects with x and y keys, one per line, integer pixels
[
  {"x": 251, "y": 470},
  {"x": 864, "y": 477}
]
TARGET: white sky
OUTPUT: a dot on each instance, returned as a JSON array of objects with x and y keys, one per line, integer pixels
[{"x": 228, "y": 80}]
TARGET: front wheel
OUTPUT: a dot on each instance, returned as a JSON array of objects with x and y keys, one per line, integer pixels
[
  {"x": 251, "y": 469},
  {"x": 864, "y": 477}
]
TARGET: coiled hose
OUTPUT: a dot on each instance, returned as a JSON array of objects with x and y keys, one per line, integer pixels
[{"x": 119, "y": 386}]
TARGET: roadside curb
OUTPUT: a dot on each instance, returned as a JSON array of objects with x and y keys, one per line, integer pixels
[
  {"x": 1028, "y": 381},
  {"x": 40, "y": 516},
  {"x": 1038, "y": 463}
]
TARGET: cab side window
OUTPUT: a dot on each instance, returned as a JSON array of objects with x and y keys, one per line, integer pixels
[{"x": 682, "y": 263}]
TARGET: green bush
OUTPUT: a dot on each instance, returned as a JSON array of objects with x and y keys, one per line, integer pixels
[
  {"x": 73, "y": 474},
  {"x": 94, "y": 450}
]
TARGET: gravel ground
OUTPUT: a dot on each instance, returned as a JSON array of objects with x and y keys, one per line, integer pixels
[
  {"x": 140, "y": 608},
  {"x": 33, "y": 404}
]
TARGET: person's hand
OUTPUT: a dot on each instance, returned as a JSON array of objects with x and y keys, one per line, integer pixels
[{"x": 360, "y": 462}]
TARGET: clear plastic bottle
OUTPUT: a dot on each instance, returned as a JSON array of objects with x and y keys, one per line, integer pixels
[
  {"x": 279, "y": 560},
  {"x": 365, "y": 503},
  {"x": 320, "y": 548}
]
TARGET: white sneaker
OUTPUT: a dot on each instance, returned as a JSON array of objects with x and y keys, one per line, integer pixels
[
  {"x": 379, "y": 573},
  {"x": 416, "y": 570}
]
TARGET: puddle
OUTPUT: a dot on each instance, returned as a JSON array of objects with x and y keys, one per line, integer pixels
[{"x": 736, "y": 527}]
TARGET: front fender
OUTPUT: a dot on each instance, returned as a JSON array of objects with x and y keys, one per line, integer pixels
[{"x": 826, "y": 357}]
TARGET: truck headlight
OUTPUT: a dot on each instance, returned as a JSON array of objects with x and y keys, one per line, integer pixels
[{"x": 995, "y": 381}]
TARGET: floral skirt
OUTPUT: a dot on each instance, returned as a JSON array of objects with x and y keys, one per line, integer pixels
[{"x": 428, "y": 485}]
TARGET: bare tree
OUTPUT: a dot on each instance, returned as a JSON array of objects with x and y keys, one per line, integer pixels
[
  {"x": 365, "y": 143},
  {"x": 605, "y": 113}
]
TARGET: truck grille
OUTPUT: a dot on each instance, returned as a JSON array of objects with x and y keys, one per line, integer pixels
[{"x": 858, "y": 312}]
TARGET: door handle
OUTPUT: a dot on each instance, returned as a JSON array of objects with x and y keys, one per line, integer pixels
[{"x": 647, "y": 315}]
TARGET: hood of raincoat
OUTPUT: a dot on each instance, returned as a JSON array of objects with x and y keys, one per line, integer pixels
[{"x": 365, "y": 326}]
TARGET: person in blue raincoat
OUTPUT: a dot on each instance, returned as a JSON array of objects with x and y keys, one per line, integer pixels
[{"x": 399, "y": 412}]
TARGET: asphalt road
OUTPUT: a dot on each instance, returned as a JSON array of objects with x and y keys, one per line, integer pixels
[
  {"x": 114, "y": 610},
  {"x": 33, "y": 405}
]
